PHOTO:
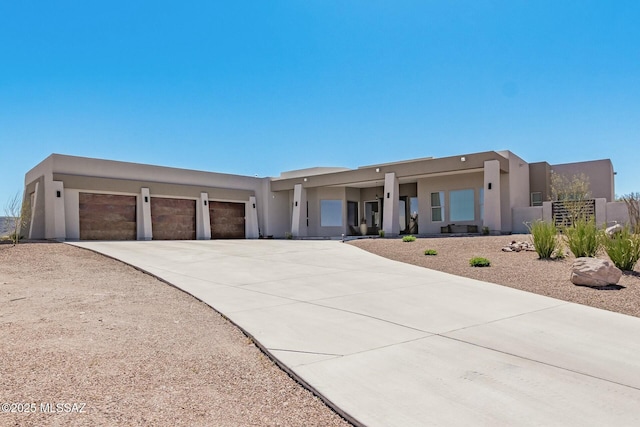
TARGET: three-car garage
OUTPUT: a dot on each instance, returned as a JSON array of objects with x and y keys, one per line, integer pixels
[{"x": 114, "y": 217}]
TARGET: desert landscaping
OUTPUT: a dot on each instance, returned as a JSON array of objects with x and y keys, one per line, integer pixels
[{"x": 80, "y": 328}]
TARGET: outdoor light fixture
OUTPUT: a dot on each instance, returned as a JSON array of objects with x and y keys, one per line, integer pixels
[
  {"x": 146, "y": 199},
  {"x": 205, "y": 203},
  {"x": 306, "y": 179},
  {"x": 254, "y": 206},
  {"x": 489, "y": 186},
  {"x": 463, "y": 159},
  {"x": 296, "y": 203},
  {"x": 388, "y": 195},
  {"x": 58, "y": 194},
  {"x": 377, "y": 169}
]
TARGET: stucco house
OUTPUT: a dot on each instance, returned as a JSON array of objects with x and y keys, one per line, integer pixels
[{"x": 76, "y": 198}]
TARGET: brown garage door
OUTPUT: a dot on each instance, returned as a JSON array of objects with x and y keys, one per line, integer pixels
[
  {"x": 227, "y": 220},
  {"x": 173, "y": 219},
  {"x": 107, "y": 217}
]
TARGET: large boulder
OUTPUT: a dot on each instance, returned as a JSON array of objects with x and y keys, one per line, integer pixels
[{"x": 594, "y": 272}]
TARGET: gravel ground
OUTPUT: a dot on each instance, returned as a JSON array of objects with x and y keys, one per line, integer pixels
[
  {"x": 520, "y": 270},
  {"x": 126, "y": 349}
]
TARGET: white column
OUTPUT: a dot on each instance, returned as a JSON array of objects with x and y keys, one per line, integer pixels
[
  {"x": 299, "y": 220},
  {"x": 203, "y": 222},
  {"x": 391, "y": 213},
  {"x": 59, "y": 228},
  {"x": 145, "y": 231},
  {"x": 34, "y": 207},
  {"x": 251, "y": 213},
  {"x": 492, "y": 205}
]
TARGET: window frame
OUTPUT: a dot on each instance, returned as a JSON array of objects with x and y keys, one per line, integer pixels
[
  {"x": 462, "y": 213},
  {"x": 440, "y": 207},
  {"x": 327, "y": 216}
]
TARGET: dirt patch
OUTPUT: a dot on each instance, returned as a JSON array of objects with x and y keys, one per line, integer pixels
[{"x": 126, "y": 349}]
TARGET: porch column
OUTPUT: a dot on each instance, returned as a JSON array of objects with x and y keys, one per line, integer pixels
[
  {"x": 299, "y": 220},
  {"x": 492, "y": 205},
  {"x": 34, "y": 207},
  {"x": 59, "y": 231},
  {"x": 391, "y": 211}
]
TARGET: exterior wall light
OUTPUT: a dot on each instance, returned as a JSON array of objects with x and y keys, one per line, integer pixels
[
  {"x": 463, "y": 159},
  {"x": 388, "y": 195},
  {"x": 58, "y": 193},
  {"x": 489, "y": 186},
  {"x": 146, "y": 199},
  {"x": 306, "y": 179},
  {"x": 205, "y": 203},
  {"x": 254, "y": 206},
  {"x": 377, "y": 169}
]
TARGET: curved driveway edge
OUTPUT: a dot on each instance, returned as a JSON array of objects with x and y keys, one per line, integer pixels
[{"x": 393, "y": 344}]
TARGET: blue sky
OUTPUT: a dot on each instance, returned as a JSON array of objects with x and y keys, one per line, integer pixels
[{"x": 259, "y": 87}]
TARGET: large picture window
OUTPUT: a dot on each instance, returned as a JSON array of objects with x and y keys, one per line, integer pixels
[
  {"x": 331, "y": 213},
  {"x": 461, "y": 205},
  {"x": 437, "y": 206}
]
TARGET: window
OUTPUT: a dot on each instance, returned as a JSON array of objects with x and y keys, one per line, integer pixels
[
  {"x": 330, "y": 213},
  {"x": 461, "y": 205},
  {"x": 437, "y": 206},
  {"x": 482, "y": 204},
  {"x": 536, "y": 198},
  {"x": 402, "y": 217}
]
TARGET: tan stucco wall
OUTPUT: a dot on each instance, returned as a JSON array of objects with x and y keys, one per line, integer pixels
[
  {"x": 599, "y": 172},
  {"x": 426, "y": 186},
  {"x": 539, "y": 179}
]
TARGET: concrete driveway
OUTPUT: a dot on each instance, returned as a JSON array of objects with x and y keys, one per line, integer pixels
[{"x": 391, "y": 344}]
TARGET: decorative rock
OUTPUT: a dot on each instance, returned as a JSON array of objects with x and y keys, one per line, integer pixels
[
  {"x": 518, "y": 246},
  {"x": 613, "y": 230},
  {"x": 594, "y": 272}
]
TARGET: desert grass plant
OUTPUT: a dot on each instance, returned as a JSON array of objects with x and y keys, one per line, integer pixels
[
  {"x": 632, "y": 201},
  {"x": 409, "y": 238},
  {"x": 544, "y": 238},
  {"x": 479, "y": 262},
  {"x": 18, "y": 215},
  {"x": 583, "y": 238},
  {"x": 430, "y": 252},
  {"x": 623, "y": 248}
]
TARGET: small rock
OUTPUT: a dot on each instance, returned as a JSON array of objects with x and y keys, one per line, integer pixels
[{"x": 594, "y": 272}]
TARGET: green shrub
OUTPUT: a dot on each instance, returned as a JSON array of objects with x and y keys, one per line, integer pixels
[
  {"x": 623, "y": 248},
  {"x": 288, "y": 235},
  {"x": 545, "y": 238},
  {"x": 409, "y": 238},
  {"x": 381, "y": 233},
  {"x": 582, "y": 238},
  {"x": 430, "y": 252},
  {"x": 479, "y": 262}
]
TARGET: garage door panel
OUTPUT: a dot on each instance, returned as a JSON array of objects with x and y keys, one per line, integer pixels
[
  {"x": 227, "y": 220},
  {"x": 173, "y": 219},
  {"x": 107, "y": 217}
]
